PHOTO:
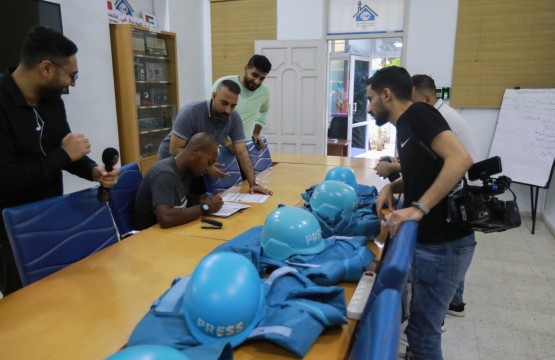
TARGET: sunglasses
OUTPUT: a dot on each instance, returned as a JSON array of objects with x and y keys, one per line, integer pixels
[{"x": 73, "y": 76}]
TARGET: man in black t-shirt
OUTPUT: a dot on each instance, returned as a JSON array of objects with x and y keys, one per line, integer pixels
[
  {"x": 164, "y": 195},
  {"x": 433, "y": 161}
]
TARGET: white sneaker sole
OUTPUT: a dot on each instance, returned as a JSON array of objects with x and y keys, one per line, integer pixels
[{"x": 456, "y": 313}]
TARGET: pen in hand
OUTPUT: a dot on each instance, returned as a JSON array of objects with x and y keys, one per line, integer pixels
[{"x": 215, "y": 202}]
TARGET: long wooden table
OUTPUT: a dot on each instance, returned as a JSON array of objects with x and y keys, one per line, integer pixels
[
  {"x": 88, "y": 309},
  {"x": 310, "y": 159}
]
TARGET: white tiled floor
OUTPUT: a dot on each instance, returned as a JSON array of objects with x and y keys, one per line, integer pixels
[{"x": 510, "y": 299}]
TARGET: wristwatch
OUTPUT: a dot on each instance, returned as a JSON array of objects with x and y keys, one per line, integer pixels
[
  {"x": 205, "y": 208},
  {"x": 418, "y": 205}
]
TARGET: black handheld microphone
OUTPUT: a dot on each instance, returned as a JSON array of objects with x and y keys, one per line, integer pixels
[{"x": 110, "y": 157}]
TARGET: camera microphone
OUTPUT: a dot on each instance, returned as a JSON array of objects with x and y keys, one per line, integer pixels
[{"x": 110, "y": 157}]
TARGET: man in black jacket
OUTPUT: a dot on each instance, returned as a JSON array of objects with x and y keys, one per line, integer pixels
[{"x": 36, "y": 143}]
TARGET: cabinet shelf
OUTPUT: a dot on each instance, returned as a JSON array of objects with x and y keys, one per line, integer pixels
[
  {"x": 154, "y": 130},
  {"x": 153, "y": 82},
  {"x": 155, "y": 107},
  {"x": 155, "y": 57},
  {"x": 145, "y": 72}
]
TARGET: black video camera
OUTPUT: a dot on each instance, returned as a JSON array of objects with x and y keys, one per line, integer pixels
[{"x": 476, "y": 207}]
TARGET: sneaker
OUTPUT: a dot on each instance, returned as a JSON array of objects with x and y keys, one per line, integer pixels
[
  {"x": 456, "y": 310},
  {"x": 443, "y": 326}
]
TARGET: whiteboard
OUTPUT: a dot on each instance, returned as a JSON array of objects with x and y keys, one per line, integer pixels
[{"x": 525, "y": 135}]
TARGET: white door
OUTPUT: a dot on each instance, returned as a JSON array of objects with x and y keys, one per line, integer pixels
[{"x": 297, "y": 83}]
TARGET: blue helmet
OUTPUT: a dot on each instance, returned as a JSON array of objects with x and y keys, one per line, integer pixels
[
  {"x": 224, "y": 299},
  {"x": 148, "y": 352},
  {"x": 332, "y": 197},
  {"x": 290, "y": 231},
  {"x": 343, "y": 174}
]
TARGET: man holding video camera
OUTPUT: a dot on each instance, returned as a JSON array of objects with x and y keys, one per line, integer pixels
[
  {"x": 424, "y": 90},
  {"x": 434, "y": 161}
]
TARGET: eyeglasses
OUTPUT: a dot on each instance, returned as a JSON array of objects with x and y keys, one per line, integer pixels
[{"x": 73, "y": 76}]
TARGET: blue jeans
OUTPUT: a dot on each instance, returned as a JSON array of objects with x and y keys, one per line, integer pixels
[
  {"x": 458, "y": 298},
  {"x": 437, "y": 272}
]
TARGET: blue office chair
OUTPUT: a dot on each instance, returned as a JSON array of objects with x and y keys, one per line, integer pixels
[
  {"x": 51, "y": 234},
  {"x": 377, "y": 335},
  {"x": 122, "y": 198},
  {"x": 261, "y": 159},
  {"x": 231, "y": 167},
  {"x": 338, "y": 127}
]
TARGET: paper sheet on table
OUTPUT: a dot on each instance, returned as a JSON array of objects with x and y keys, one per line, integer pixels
[
  {"x": 230, "y": 208},
  {"x": 250, "y": 198}
]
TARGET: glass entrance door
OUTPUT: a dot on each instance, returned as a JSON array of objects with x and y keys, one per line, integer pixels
[
  {"x": 348, "y": 118},
  {"x": 357, "y": 131},
  {"x": 351, "y": 62}
]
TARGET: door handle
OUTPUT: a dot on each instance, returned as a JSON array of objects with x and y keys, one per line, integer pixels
[{"x": 354, "y": 107}]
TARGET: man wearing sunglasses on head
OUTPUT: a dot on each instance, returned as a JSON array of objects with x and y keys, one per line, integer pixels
[{"x": 36, "y": 143}]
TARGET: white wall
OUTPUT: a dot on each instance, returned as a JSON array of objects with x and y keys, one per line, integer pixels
[
  {"x": 140, "y": 6},
  {"x": 90, "y": 105},
  {"x": 301, "y": 20},
  {"x": 190, "y": 20}
]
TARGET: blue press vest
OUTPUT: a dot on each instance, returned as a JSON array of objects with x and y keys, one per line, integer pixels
[
  {"x": 344, "y": 258},
  {"x": 297, "y": 311}
]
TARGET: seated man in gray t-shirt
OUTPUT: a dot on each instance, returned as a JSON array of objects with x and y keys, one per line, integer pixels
[
  {"x": 164, "y": 194},
  {"x": 218, "y": 118}
]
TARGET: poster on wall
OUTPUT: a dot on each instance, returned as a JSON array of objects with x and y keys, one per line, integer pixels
[{"x": 365, "y": 16}]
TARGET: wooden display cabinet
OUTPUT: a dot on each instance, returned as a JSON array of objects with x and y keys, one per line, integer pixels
[{"x": 146, "y": 87}]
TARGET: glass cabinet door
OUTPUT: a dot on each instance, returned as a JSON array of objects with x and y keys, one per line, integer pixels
[{"x": 155, "y": 101}]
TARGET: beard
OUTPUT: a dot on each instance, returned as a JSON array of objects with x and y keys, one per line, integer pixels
[
  {"x": 381, "y": 118},
  {"x": 249, "y": 83},
  {"x": 51, "y": 91},
  {"x": 220, "y": 117}
]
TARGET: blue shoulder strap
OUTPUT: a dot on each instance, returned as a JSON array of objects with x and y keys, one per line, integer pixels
[{"x": 168, "y": 302}]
